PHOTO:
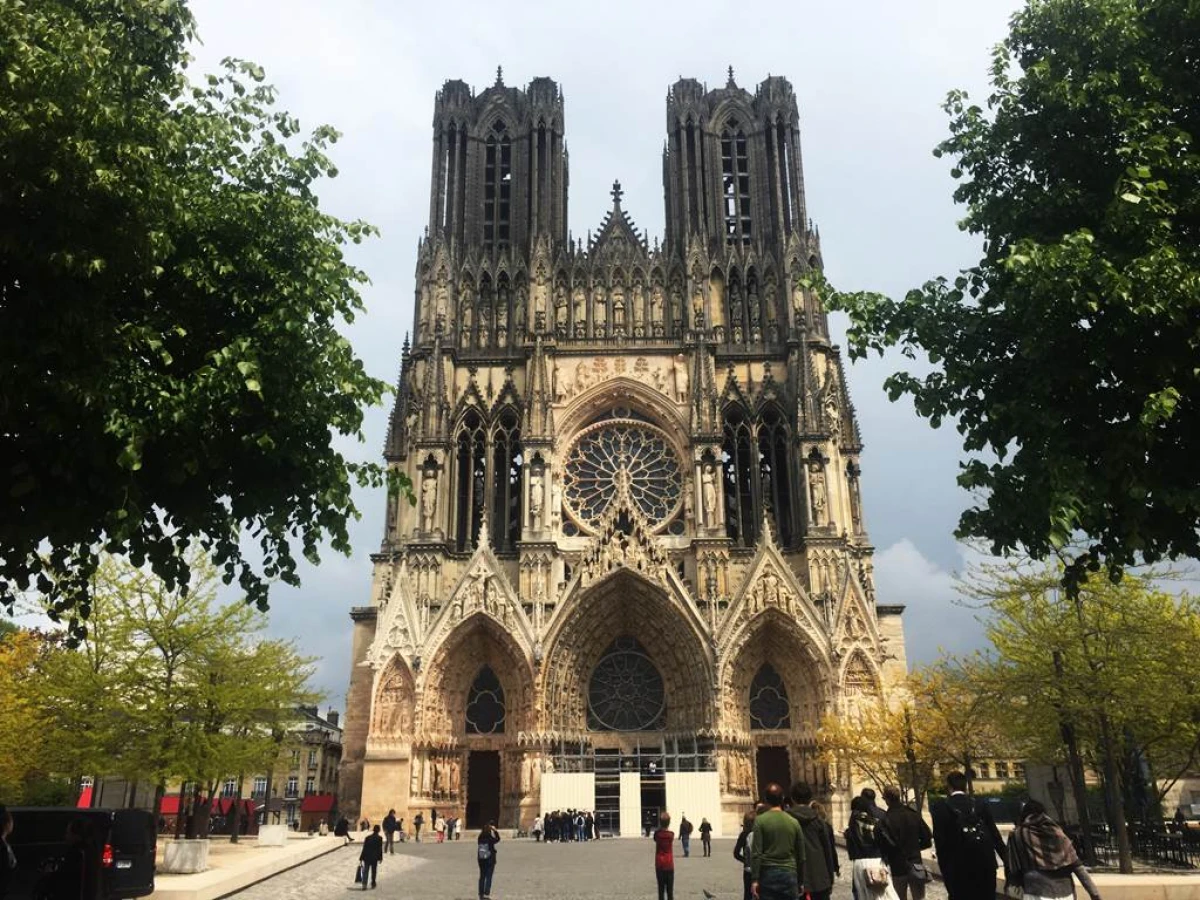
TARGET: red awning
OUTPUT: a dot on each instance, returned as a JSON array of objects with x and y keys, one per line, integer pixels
[
  {"x": 85, "y": 798},
  {"x": 317, "y": 803},
  {"x": 223, "y": 806},
  {"x": 170, "y": 805}
]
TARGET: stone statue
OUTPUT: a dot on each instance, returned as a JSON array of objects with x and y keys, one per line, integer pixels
[
  {"x": 618, "y": 303},
  {"x": 698, "y": 306},
  {"x": 820, "y": 501},
  {"x": 442, "y": 299},
  {"x": 580, "y": 306},
  {"x": 519, "y": 311},
  {"x": 555, "y": 500},
  {"x": 560, "y": 306},
  {"x": 536, "y": 499},
  {"x": 600, "y": 312},
  {"x": 679, "y": 370},
  {"x": 540, "y": 292},
  {"x": 708, "y": 490},
  {"x": 656, "y": 304},
  {"x": 798, "y": 300},
  {"x": 582, "y": 377},
  {"x": 428, "y": 500},
  {"x": 639, "y": 304}
]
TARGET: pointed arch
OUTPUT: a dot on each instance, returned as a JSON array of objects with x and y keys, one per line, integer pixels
[
  {"x": 393, "y": 706},
  {"x": 507, "y": 467},
  {"x": 740, "y": 471},
  {"x": 470, "y": 478},
  {"x": 776, "y": 475}
]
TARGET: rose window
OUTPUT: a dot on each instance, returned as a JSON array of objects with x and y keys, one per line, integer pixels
[
  {"x": 622, "y": 456},
  {"x": 626, "y": 691}
]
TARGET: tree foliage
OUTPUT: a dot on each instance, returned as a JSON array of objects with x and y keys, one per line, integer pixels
[
  {"x": 1067, "y": 355},
  {"x": 24, "y": 726},
  {"x": 170, "y": 294}
]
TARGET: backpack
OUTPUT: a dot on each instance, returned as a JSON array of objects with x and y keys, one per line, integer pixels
[
  {"x": 971, "y": 828},
  {"x": 865, "y": 827}
]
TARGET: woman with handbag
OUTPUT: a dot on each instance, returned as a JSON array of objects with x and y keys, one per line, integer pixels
[
  {"x": 867, "y": 843},
  {"x": 1042, "y": 859}
]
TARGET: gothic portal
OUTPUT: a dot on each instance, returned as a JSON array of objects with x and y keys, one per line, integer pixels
[{"x": 636, "y": 573}]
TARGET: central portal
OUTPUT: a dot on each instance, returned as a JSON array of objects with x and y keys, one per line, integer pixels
[
  {"x": 772, "y": 764},
  {"x": 483, "y": 787}
]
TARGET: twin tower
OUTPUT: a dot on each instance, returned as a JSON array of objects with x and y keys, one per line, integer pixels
[{"x": 636, "y": 575}]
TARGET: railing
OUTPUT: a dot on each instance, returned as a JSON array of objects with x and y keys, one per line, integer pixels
[{"x": 1151, "y": 845}]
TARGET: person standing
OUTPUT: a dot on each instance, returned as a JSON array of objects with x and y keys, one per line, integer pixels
[
  {"x": 371, "y": 856},
  {"x": 488, "y": 838},
  {"x": 818, "y": 843},
  {"x": 418, "y": 821},
  {"x": 777, "y": 852},
  {"x": 685, "y": 834},
  {"x": 966, "y": 841},
  {"x": 910, "y": 835},
  {"x": 440, "y": 828},
  {"x": 664, "y": 858},
  {"x": 537, "y": 830},
  {"x": 390, "y": 827},
  {"x": 706, "y": 836},
  {"x": 867, "y": 845},
  {"x": 741, "y": 852},
  {"x": 1042, "y": 859}
]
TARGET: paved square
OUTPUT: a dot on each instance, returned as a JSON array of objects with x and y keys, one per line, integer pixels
[{"x": 610, "y": 869}]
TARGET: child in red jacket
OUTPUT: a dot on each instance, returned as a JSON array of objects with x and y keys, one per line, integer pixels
[{"x": 664, "y": 858}]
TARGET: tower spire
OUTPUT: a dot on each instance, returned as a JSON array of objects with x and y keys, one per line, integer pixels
[{"x": 499, "y": 76}]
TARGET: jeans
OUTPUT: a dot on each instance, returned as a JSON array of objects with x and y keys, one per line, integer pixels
[
  {"x": 390, "y": 844},
  {"x": 707, "y": 844},
  {"x": 778, "y": 884},
  {"x": 370, "y": 869},
  {"x": 486, "y": 869},
  {"x": 687, "y": 842},
  {"x": 666, "y": 883},
  {"x": 747, "y": 894}
]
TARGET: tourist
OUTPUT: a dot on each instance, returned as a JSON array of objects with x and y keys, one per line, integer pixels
[
  {"x": 451, "y": 824},
  {"x": 488, "y": 838},
  {"x": 867, "y": 844},
  {"x": 440, "y": 827},
  {"x": 8, "y": 859},
  {"x": 777, "y": 853},
  {"x": 706, "y": 836},
  {"x": 835, "y": 866},
  {"x": 390, "y": 828},
  {"x": 818, "y": 843},
  {"x": 741, "y": 852},
  {"x": 537, "y": 830},
  {"x": 910, "y": 835},
  {"x": 364, "y": 825},
  {"x": 418, "y": 821},
  {"x": 370, "y": 857},
  {"x": 1042, "y": 859},
  {"x": 966, "y": 840},
  {"x": 400, "y": 830},
  {"x": 868, "y": 794},
  {"x": 342, "y": 829},
  {"x": 685, "y": 834},
  {"x": 664, "y": 857}
]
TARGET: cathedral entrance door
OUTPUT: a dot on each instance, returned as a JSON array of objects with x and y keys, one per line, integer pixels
[
  {"x": 483, "y": 787},
  {"x": 772, "y": 764}
]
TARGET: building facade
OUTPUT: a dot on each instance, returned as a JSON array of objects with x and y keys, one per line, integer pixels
[{"x": 636, "y": 574}]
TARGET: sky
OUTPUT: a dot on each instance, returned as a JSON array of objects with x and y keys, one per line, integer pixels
[{"x": 870, "y": 77}]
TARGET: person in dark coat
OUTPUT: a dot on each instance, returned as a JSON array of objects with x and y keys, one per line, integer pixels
[
  {"x": 371, "y": 856},
  {"x": 741, "y": 852},
  {"x": 390, "y": 827},
  {"x": 342, "y": 830},
  {"x": 910, "y": 835},
  {"x": 966, "y": 841},
  {"x": 818, "y": 841},
  {"x": 706, "y": 836},
  {"x": 488, "y": 838}
]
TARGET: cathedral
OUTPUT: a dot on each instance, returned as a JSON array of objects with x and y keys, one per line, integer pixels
[{"x": 636, "y": 574}]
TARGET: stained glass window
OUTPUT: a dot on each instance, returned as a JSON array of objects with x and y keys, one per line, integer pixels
[
  {"x": 485, "y": 704},
  {"x": 626, "y": 691},
  {"x": 622, "y": 454},
  {"x": 769, "y": 701}
]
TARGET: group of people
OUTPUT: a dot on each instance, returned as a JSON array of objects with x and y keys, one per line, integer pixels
[
  {"x": 563, "y": 825},
  {"x": 445, "y": 828}
]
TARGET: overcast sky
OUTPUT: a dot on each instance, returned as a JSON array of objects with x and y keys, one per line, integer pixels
[{"x": 870, "y": 77}]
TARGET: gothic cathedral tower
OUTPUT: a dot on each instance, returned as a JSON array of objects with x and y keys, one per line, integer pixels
[{"x": 636, "y": 575}]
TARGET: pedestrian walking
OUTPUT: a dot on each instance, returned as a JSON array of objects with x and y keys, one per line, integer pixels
[
  {"x": 777, "y": 851},
  {"x": 342, "y": 830},
  {"x": 818, "y": 843},
  {"x": 966, "y": 840},
  {"x": 835, "y": 866},
  {"x": 488, "y": 838},
  {"x": 664, "y": 857},
  {"x": 706, "y": 836},
  {"x": 910, "y": 835},
  {"x": 418, "y": 821},
  {"x": 868, "y": 844},
  {"x": 371, "y": 856},
  {"x": 741, "y": 852},
  {"x": 390, "y": 827},
  {"x": 685, "y": 834},
  {"x": 1041, "y": 858}
]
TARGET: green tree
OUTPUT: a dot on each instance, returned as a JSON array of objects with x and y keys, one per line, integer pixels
[
  {"x": 170, "y": 295},
  {"x": 1112, "y": 662},
  {"x": 1069, "y": 351}
]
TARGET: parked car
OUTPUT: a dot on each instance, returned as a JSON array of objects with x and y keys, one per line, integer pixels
[{"x": 90, "y": 854}]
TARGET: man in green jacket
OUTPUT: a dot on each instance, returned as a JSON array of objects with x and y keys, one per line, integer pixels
[{"x": 777, "y": 854}]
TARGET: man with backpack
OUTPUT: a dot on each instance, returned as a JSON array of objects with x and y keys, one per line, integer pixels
[{"x": 966, "y": 841}]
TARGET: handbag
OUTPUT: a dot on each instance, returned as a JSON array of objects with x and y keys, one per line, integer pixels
[
  {"x": 358, "y": 874},
  {"x": 920, "y": 872},
  {"x": 877, "y": 876}
]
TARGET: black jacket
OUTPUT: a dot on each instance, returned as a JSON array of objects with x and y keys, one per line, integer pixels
[
  {"x": 910, "y": 835},
  {"x": 956, "y": 852},
  {"x": 867, "y": 837},
  {"x": 372, "y": 848},
  {"x": 818, "y": 867}
]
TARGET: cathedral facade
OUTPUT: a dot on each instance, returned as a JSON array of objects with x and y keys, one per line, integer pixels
[{"x": 636, "y": 575}]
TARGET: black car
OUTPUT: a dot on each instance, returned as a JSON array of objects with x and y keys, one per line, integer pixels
[{"x": 82, "y": 854}]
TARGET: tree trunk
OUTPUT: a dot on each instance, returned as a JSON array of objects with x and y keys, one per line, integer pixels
[
  {"x": 234, "y": 827},
  {"x": 1113, "y": 798},
  {"x": 1075, "y": 768}
]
